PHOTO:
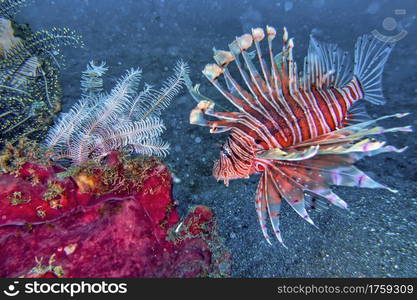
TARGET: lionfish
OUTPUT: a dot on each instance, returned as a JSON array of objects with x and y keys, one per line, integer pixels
[{"x": 301, "y": 132}]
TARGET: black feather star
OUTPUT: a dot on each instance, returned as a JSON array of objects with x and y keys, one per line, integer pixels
[{"x": 30, "y": 90}]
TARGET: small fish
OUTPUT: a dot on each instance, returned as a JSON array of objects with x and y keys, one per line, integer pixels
[{"x": 301, "y": 132}]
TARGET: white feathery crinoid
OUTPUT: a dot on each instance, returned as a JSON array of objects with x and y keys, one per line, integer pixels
[{"x": 122, "y": 119}]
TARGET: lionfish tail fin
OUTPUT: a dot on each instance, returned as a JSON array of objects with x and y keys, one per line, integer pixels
[{"x": 371, "y": 54}]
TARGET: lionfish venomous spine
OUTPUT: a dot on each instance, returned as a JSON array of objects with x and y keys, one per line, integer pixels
[{"x": 302, "y": 133}]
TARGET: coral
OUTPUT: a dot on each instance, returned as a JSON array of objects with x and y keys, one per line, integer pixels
[
  {"x": 115, "y": 219},
  {"x": 30, "y": 92},
  {"x": 122, "y": 119}
]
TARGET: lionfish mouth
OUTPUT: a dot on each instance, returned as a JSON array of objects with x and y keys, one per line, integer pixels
[{"x": 310, "y": 127}]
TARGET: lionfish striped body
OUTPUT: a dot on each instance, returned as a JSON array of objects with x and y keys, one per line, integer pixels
[{"x": 301, "y": 132}]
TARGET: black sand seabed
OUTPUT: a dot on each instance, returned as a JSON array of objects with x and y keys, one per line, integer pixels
[{"x": 376, "y": 237}]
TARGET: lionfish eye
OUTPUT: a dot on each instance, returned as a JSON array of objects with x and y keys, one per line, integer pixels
[
  {"x": 258, "y": 141},
  {"x": 225, "y": 151}
]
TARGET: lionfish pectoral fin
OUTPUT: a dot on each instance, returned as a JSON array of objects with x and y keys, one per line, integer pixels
[
  {"x": 311, "y": 179},
  {"x": 291, "y": 190},
  {"x": 273, "y": 200},
  {"x": 279, "y": 154},
  {"x": 322, "y": 171},
  {"x": 358, "y": 127},
  {"x": 352, "y": 177},
  {"x": 330, "y": 196},
  {"x": 314, "y": 202},
  {"x": 365, "y": 146},
  {"x": 354, "y": 138}
]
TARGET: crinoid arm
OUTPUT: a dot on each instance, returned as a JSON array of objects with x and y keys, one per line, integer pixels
[
  {"x": 154, "y": 102},
  {"x": 60, "y": 134},
  {"x": 152, "y": 146},
  {"x": 128, "y": 134}
]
